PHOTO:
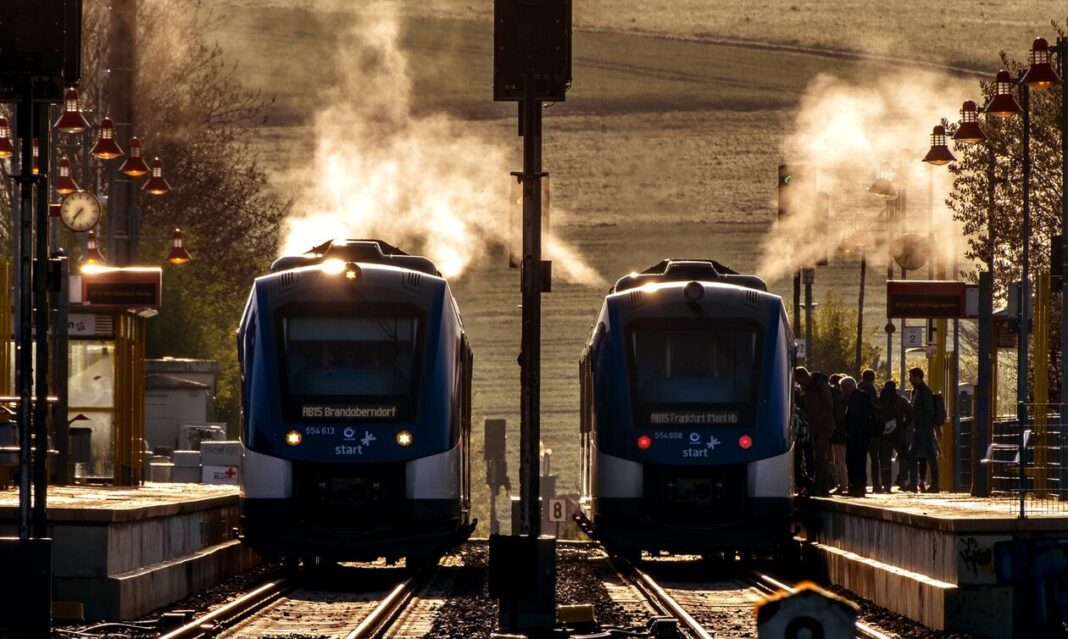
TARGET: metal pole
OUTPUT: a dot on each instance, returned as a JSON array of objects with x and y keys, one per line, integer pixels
[
  {"x": 954, "y": 382},
  {"x": 24, "y": 289},
  {"x": 797, "y": 304},
  {"x": 984, "y": 385},
  {"x": 890, "y": 215},
  {"x": 902, "y": 204},
  {"x": 1062, "y": 53},
  {"x": 122, "y": 40},
  {"x": 1024, "y": 305},
  {"x": 60, "y": 369},
  {"x": 809, "y": 276},
  {"x": 530, "y": 430},
  {"x": 860, "y": 310},
  {"x": 41, "y": 317}
]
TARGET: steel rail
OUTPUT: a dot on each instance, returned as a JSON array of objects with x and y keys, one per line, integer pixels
[
  {"x": 658, "y": 596},
  {"x": 387, "y": 611},
  {"x": 233, "y": 611},
  {"x": 770, "y": 584}
]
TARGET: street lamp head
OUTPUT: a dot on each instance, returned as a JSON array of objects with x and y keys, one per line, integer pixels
[
  {"x": 72, "y": 120},
  {"x": 883, "y": 186},
  {"x": 134, "y": 165},
  {"x": 178, "y": 254},
  {"x": 1003, "y": 104},
  {"x": 7, "y": 149},
  {"x": 92, "y": 253},
  {"x": 939, "y": 153},
  {"x": 969, "y": 131},
  {"x": 156, "y": 185},
  {"x": 1041, "y": 74},
  {"x": 65, "y": 184},
  {"x": 106, "y": 148}
]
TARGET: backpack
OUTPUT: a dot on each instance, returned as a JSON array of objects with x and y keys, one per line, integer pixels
[{"x": 939, "y": 409}]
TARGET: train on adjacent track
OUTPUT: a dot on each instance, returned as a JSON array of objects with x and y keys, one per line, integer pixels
[
  {"x": 686, "y": 414},
  {"x": 356, "y": 407}
]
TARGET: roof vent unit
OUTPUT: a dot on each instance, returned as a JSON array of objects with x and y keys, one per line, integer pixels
[
  {"x": 360, "y": 251},
  {"x": 688, "y": 271}
]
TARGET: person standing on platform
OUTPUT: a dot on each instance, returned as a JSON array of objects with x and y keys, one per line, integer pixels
[
  {"x": 923, "y": 437},
  {"x": 867, "y": 384},
  {"x": 819, "y": 409},
  {"x": 858, "y": 420},
  {"x": 893, "y": 414},
  {"x": 838, "y": 438}
]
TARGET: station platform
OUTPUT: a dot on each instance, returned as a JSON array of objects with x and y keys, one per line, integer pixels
[
  {"x": 119, "y": 553},
  {"x": 930, "y": 557}
]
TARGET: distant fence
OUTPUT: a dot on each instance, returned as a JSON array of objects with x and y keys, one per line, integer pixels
[{"x": 1025, "y": 465}]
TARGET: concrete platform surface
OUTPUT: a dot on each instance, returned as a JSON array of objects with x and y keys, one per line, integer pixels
[
  {"x": 927, "y": 556},
  {"x": 112, "y": 503}
]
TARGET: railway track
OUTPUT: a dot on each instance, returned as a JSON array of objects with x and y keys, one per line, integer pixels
[
  {"x": 321, "y": 605},
  {"x": 714, "y": 609}
]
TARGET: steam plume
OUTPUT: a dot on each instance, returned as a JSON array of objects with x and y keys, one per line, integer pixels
[
  {"x": 425, "y": 182},
  {"x": 844, "y": 131}
]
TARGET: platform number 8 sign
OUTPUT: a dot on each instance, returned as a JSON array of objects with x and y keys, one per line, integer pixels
[{"x": 557, "y": 510}]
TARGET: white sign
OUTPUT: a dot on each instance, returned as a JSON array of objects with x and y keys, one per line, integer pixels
[
  {"x": 557, "y": 510},
  {"x": 913, "y": 337},
  {"x": 799, "y": 348},
  {"x": 81, "y": 324}
]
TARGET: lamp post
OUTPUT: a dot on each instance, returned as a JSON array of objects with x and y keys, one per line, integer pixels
[{"x": 883, "y": 187}]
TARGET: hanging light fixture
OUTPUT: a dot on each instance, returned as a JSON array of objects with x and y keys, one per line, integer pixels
[
  {"x": 72, "y": 120},
  {"x": 1003, "y": 104},
  {"x": 969, "y": 131},
  {"x": 134, "y": 165},
  {"x": 883, "y": 186},
  {"x": 35, "y": 154},
  {"x": 178, "y": 254},
  {"x": 939, "y": 153},
  {"x": 1041, "y": 74},
  {"x": 156, "y": 185},
  {"x": 65, "y": 185},
  {"x": 106, "y": 148},
  {"x": 92, "y": 253},
  {"x": 7, "y": 149}
]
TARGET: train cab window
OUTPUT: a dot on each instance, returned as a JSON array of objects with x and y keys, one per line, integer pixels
[
  {"x": 694, "y": 363},
  {"x": 350, "y": 355}
]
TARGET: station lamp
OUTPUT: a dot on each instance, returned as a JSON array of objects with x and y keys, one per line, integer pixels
[
  {"x": 72, "y": 120},
  {"x": 65, "y": 184},
  {"x": 939, "y": 153},
  {"x": 1041, "y": 74},
  {"x": 1003, "y": 104},
  {"x": 106, "y": 148},
  {"x": 7, "y": 149},
  {"x": 156, "y": 184},
  {"x": 883, "y": 186},
  {"x": 134, "y": 165},
  {"x": 92, "y": 253},
  {"x": 969, "y": 131},
  {"x": 178, "y": 254}
]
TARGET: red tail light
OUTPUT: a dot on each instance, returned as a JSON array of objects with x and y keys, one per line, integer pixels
[
  {"x": 644, "y": 442},
  {"x": 745, "y": 442}
]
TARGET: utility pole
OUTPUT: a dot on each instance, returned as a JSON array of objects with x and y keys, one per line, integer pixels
[
  {"x": 1025, "y": 284},
  {"x": 123, "y": 214},
  {"x": 1062, "y": 53},
  {"x": 809, "y": 277}
]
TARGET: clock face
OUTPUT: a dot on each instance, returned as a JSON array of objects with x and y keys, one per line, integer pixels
[{"x": 80, "y": 211}]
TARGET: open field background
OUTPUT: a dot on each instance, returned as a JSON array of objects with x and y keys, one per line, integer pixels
[{"x": 667, "y": 145}]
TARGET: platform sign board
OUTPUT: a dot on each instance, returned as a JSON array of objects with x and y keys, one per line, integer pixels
[
  {"x": 925, "y": 299},
  {"x": 912, "y": 337},
  {"x": 127, "y": 288},
  {"x": 557, "y": 510}
]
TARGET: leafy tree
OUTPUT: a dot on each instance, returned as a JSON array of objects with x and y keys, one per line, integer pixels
[{"x": 834, "y": 339}]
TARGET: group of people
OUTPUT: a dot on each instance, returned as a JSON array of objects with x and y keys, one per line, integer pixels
[{"x": 841, "y": 426}]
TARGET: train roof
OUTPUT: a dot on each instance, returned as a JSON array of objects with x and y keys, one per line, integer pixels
[
  {"x": 687, "y": 270},
  {"x": 360, "y": 251}
]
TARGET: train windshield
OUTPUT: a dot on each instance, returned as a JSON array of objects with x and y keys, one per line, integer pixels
[
  {"x": 336, "y": 366},
  {"x": 707, "y": 365}
]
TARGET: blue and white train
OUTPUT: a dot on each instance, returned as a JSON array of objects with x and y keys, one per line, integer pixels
[
  {"x": 356, "y": 407},
  {"x": 686, "y": 413}
]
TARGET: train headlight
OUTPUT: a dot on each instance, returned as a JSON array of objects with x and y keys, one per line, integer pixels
[
  {"x": 644, "y": 442},
  {"x": 693, "y": 292},
  {"x": 293, "y": 438},
  {"x": 333, "y": 267},
  {"x": 745, "y": 442},
  {"x": 404, "y": 438}
]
